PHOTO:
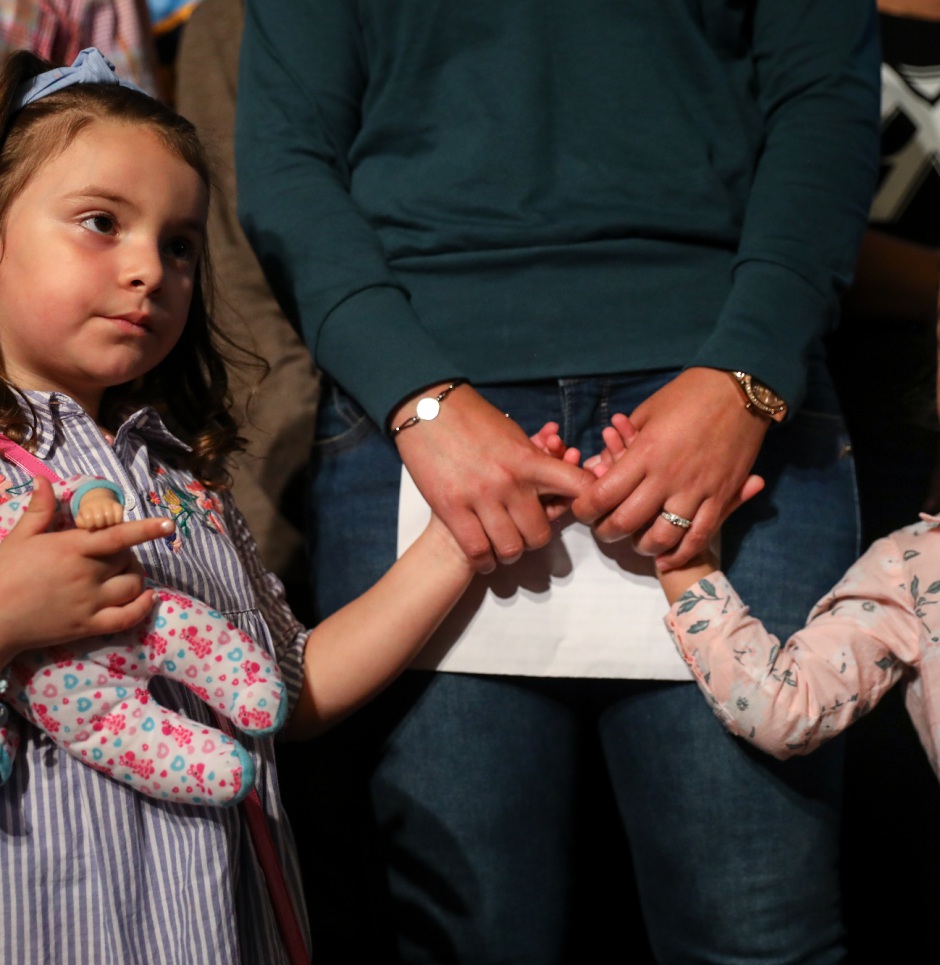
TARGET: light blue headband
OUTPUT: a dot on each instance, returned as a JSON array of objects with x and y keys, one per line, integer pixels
[{"x": 89, "y": 67}]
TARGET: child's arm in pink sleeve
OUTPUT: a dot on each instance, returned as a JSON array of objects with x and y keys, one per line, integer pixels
[{"x": 788, "y": 699}]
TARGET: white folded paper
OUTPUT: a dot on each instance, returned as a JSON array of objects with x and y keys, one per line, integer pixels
[{"x": 576, "y": 608}]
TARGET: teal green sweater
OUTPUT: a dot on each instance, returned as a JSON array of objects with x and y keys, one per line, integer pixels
[{"x": 508, "y": 190}]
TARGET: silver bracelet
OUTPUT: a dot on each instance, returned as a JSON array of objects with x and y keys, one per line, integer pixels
[{"x": 428, "y": 409}]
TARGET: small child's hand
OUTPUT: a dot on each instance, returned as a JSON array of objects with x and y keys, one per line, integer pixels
[
  {"x": 99, "y": 508},
  {"x": 618, "y": 437},
  {"x": 548, "y": 440},
  {"x": 676, "y": 582}
]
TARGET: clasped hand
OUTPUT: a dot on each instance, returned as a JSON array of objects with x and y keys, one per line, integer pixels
[{"x": 689, "y": 449}]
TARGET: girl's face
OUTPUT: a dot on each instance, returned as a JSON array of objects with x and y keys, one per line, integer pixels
[{"x": 98, "y": 259}]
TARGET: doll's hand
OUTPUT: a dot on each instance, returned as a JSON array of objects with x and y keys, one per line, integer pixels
[
  {"x": 91, "y": 699},
  {"x": 99, "y": 508}
]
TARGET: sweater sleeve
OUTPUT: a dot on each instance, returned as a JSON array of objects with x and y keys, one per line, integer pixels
[
  {"x": 817, "y": 66},
  {"x": 301, "y": 83},
  {"x": 788, "y": 699}
]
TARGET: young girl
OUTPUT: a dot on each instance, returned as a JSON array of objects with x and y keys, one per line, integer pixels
[
  {"x": 110, "y": 368},
  {"x": 879, "y": 625}
]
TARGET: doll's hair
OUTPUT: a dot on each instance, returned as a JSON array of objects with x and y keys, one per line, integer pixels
[{"x": 190, "y": 386}]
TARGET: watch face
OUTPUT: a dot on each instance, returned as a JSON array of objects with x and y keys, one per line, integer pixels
[
  {"x": 761, "y": 398},
  {"x": 765, "y": 399},
  {"x": 764, "y": 395}
]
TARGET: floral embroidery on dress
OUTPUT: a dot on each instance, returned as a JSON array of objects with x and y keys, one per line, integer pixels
[
  {"x": 210, "y": 506},
  {"x": 193, "y": 502}
]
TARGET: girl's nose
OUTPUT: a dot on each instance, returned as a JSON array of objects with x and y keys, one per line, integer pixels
[{"x": 144, "y": 270}]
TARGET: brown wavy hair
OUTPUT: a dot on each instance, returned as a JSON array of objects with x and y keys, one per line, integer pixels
[{"x": 190, "y": 386}]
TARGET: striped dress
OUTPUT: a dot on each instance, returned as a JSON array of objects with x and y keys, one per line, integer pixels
[{"x": 91, "y": 872}]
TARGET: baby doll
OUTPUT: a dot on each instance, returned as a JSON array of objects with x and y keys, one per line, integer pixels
[{"x": 94, "y": 701}]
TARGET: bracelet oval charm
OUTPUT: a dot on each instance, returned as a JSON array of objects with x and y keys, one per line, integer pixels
[{"x": 427, "y": 409}]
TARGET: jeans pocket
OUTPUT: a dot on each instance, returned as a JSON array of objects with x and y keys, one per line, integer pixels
[{"x": 342, "y": 424}]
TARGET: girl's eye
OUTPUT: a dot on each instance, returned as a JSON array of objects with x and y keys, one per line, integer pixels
[
  {"x": 182, "y": 249},
  {"x": 102, "y": 224}
]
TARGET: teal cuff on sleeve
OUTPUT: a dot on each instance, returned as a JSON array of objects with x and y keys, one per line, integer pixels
[
  {"x": 768, "y": 328},
  {"x": 94, "y": 484}
]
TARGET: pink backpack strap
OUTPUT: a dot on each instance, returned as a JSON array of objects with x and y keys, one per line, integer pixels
[
  {"x": 16, "y": 454},
  {"x": 266, "y": 852}
]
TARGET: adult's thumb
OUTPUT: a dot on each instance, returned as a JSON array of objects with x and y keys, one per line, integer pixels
[{"x": 558, "y": 478}]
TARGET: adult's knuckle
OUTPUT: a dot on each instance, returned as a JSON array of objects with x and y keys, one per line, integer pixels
[
  {"x": 623, "y": 522},
  {"x": 695, "y": 542},
  {"x": 611, "y": 532},
  {"x": 649, "y": 544}
]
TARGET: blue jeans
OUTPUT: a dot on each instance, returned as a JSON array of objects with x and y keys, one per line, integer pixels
[{"x": 473, "y": 779}]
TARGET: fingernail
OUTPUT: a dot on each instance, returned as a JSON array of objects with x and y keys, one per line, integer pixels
[{"x": 167, "y": 526}]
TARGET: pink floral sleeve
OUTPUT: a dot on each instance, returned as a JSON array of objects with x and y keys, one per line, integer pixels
[{"x": 860, "y": 639}]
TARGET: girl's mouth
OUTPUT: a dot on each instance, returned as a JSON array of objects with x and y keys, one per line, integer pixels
[{"x": 139, "y": 321}]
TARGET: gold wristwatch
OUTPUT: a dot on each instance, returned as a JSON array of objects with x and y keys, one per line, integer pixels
[{"x": 760, "y": 398}]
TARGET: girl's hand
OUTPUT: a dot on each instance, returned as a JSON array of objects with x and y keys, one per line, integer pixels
[
  {"x": 548, "y": 440},
  {"x": 676, "y": 582},
  {"x": 98, "y": 581},
  {"x": 618, "y": 437}
]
